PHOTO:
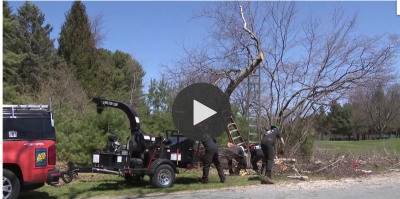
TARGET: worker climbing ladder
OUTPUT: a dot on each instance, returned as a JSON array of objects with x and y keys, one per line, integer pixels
[{"x": 254, "y": 107}]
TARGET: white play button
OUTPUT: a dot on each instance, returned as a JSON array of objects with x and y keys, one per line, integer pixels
[{"x": 201, "y": 112}]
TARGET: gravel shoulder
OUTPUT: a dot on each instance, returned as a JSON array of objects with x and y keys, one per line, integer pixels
[{"x": 375, "y": 186}]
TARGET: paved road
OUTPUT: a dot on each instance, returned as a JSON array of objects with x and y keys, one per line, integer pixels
[{"x": 386, "y": 186}]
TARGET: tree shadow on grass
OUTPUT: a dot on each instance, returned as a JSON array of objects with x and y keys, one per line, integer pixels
[
  {"x": 143, "y": 188},
  {"x": 254, "y": 178},
  {"x": 35, "y": 195}
]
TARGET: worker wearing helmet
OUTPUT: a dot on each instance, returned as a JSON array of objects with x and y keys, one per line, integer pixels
[
  {"x": 256, "y": 156},
  {"x": 268, "y": 148}
]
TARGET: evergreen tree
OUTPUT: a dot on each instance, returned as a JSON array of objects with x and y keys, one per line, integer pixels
[
  {"x": 34, "y": 42},
  {"x": 340, "y": 119},
  {"x": 322, "y": 125},
  {"x": 159, "y": 102},
  {"x": 111, "y": 79},
  {"x": 133, "y": 77},
  {"x": 11, "y": 59},
  {"x": 77, "y": 45}
]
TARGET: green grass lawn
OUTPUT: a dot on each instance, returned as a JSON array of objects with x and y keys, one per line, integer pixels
[
  {"x": 92, "y": 185},
  {"x": 109, "y": 185},
  {"x": 391, "y": 145}
]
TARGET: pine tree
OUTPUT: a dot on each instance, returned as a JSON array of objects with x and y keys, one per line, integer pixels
[
  {"x": 340, "y": 119},
  {"x": 77, "y": 45},
  {"x": 133, "y": 76},
  {"x": 34, "y": 42},
  {"x": 11, "y": 59}
]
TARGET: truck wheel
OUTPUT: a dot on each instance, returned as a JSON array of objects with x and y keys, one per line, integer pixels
[
  {"x": 164, "y": 177},
  {"x": 11, "y": 185}
]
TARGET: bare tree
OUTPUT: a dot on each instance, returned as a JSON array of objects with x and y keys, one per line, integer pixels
[
  {"x": 233, "y": 53},
  {"x": 381, "y": 102},
  {"x": 361, "y": 121},
  {"x": 307, "y": 63},
  {"x": 97, "y": 29}
]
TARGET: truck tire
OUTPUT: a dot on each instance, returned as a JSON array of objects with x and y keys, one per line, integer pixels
[
  {"x": 164, "y": 177},
  {"x": 11, "y": 185}
]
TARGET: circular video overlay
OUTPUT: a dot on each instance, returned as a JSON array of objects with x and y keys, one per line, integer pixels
[{"x": 201, "y": 111}]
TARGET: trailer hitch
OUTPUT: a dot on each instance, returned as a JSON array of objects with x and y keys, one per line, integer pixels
[{"x": 68, "y": 176}]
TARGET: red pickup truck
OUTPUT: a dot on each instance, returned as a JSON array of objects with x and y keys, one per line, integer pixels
[{"x": 29, "y": 150}]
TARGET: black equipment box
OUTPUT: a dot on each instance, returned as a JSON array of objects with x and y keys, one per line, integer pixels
[
  {"x": 111, "y": 160},
  {"x": 184, "y": 155}
]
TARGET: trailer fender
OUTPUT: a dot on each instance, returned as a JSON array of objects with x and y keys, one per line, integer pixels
[{"x": 158, "y": 162}]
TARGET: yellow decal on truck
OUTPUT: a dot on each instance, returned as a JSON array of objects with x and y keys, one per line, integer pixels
[{"x": 40, "y": 157}]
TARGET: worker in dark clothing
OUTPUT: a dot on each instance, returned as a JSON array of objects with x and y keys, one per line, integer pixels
[
  {"x": 237, "y": 154},
  {"x": 211, "y": 156},
  {"x": 268, "y": 148},
  {"x": 256, "y": 156}
]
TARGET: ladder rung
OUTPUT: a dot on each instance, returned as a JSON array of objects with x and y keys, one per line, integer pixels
[
  {"x": 254, "y": 83},
  {"x": 236, "y": 137},
  {"x": 230, "y": 124},
  {"x": 253, "y": 127},
  {"x": 234, "y": 130},
  {"x": 254, "y": 142},
  {"x": 242, "y": 143}
]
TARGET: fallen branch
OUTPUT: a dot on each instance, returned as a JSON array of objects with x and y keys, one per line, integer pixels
[{"x": 339, "y": 160}]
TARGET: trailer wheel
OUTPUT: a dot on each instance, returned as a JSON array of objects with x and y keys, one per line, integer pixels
[
  {"x": 164, "y": 177},
  {"x": 11, "y": 185}
]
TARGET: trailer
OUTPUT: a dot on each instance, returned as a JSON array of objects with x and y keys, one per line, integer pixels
[
  {"x": 158, "y": 157},
  {"x": 142, "y": 155}
]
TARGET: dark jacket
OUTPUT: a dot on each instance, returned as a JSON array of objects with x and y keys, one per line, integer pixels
[
  {"x": 256, "y": 151},
  {"x": 236, "y": 150},
  {"x": 271, "y": 135},
  {"x": 210, "y": 144}
]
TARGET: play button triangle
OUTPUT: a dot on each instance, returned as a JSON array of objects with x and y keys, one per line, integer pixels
[{"x": 201, "y": 112}]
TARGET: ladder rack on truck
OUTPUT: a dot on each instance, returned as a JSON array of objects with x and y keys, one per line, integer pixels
[
  {"x": 9, "y": 109},
  {"x": 26, "y": 106}
]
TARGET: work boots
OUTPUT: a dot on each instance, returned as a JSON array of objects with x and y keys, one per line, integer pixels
[
  {"x": 266, "y": 180},
  {"x": 203, "y": 181}
]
